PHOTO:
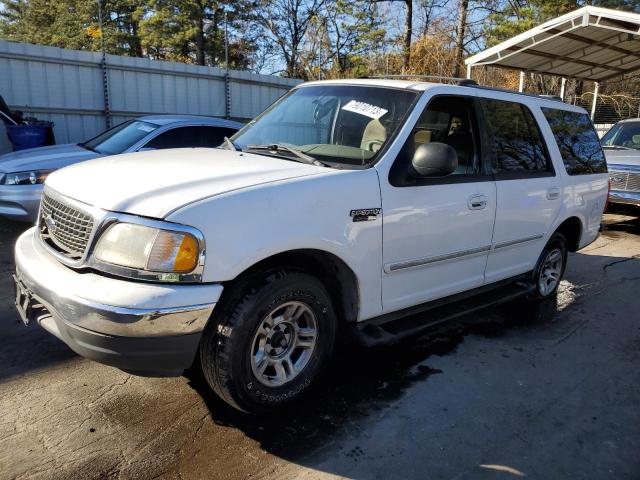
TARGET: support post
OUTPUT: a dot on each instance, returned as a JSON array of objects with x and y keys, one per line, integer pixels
[
  {"x": 595, "y": 101},
  {"x": 469, "y": 72},
  {"x": 521, "y": 85},
  {"x": 563, "y": 84},
  {"x": 105, "y": 73},
  {"x": 227, "y": 80}
]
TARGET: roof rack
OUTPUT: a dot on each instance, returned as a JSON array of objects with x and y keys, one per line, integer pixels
[
  {"x": 457, "y": 80},
  {"x": 552, "y": 97},
  {"x": 466, "y": 82}
]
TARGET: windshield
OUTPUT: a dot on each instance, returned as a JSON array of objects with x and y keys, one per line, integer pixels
[
  {"x": 120, "y": 137},
  {"x": 625, "y": 135},
  {"x": 339, "y": 125}
]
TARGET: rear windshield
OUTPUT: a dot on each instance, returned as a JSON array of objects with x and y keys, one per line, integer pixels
[{"x": 577, "y": 140}]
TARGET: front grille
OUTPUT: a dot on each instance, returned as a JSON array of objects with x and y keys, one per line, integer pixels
[
  {"x": 625, "y": 181},
  {"x": 633, "y": 182},
  {"x": 64, "y": 228}
]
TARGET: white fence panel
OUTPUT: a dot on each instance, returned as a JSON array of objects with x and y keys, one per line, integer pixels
[{"x": 66, "y": 87}]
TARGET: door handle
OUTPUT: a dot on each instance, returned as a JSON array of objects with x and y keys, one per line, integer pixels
[
  {"x": 477, "y": 202},
  {"x": 553, "y": 193}
]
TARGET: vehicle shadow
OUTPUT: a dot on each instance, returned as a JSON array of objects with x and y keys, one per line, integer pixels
[
  {"x": 362, "y": 382},
  {"x": 364, "y": 385},
  {"x": 24, "y": 348},
  {"x": 621, "y": 221}
]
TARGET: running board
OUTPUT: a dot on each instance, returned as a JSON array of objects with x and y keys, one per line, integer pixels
[{"x": 393, "y": 327}]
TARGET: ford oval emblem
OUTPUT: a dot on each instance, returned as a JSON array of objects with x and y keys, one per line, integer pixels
[
  {"x": 51, "y": 223},
  {"x": 617, "y": 179}
]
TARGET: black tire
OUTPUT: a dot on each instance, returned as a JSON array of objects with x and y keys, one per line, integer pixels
[
  {"x": 558, "y": 243},
  {"x": 228, "y": 341}
]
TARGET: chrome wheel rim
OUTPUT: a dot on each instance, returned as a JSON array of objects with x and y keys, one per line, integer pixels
[
  {"x": 550, "y": 272},
  {"x": 283, "y": 344}
]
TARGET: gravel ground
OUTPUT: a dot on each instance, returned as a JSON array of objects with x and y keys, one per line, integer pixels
[{"x": 548, "y": 394}]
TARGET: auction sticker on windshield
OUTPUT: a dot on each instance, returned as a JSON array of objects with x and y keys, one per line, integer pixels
[{"x": 364, "y": 108}]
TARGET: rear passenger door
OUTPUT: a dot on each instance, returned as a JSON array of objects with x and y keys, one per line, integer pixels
[{"x": 527, "y": 186}]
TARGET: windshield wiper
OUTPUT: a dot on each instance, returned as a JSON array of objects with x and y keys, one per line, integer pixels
[
  {"x": 84, "y": 145},
  {"x": 229, "y": 143},
  {"x": 279, "y": 148}
]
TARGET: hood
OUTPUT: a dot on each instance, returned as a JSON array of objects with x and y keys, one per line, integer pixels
[
  {"x": 155, "y": 183},
  {"x": 45, "y": 158},
  {"x": 622, "y": 157}
]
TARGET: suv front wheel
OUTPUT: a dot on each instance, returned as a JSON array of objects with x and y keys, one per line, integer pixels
[{"x": 273, "y": 338}]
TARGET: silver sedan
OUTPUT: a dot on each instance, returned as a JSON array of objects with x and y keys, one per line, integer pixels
[{"x": 22, "y": 173}]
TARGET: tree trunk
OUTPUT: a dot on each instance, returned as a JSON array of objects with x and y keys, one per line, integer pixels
[
  {"x": 200, "y": 42},
  {"x": 463, "y": 8},
  {"x": 407, "y": 34},
  {"x": 136, "y": 44}
]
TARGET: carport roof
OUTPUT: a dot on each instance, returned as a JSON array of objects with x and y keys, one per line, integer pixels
[{"x": 591, "y": 43}]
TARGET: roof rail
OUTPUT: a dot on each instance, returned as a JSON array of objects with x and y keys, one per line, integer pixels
[
  {"x": 439, "y": 78},
  {"x": 552, "y": 97}
]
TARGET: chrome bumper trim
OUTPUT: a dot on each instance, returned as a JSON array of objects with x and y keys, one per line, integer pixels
[{"x": 120, "y": 321}]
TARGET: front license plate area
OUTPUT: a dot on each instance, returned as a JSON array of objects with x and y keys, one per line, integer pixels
[{"x": 25, "y": 303}]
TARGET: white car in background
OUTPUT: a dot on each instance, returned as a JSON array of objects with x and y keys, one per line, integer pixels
[
  {"x": 22, "y": 173},
  {"x": 347, "y": 206}
]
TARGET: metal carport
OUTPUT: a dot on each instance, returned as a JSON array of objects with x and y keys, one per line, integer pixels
[{"x": 591, "y": 43}]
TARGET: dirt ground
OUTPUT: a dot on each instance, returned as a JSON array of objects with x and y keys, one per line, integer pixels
[{"x": 548, "y": 394}]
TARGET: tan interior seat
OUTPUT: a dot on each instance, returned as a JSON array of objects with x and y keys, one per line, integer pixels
[
  {"x": 374, "y": 136},
  {"x": 421, "y": 137}
]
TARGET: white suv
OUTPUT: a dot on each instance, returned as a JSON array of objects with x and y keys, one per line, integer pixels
[{"x": 346, "y": 206}]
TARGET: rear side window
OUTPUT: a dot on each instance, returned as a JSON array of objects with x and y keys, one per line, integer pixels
[
  {"x": 182, "y": 137},
  {"x": 191, "y": 137},
  {"x": 516, "y": 145},
  {"x": 577, "y": 140},
  {"x": 214, "y": 136}
]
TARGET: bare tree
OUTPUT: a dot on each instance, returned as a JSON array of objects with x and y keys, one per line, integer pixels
[
  {"x": 429, "y": 12},
  {"x": 463, "y": 9},
  {"x": 408, "y": 30},
  {"x": 287, "y": 22}
]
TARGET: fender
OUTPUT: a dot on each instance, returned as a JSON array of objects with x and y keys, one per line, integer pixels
[{"x": 339, "y": 212}]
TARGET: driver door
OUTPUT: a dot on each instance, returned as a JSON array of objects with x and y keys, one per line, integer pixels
[{"x": 437, "y": 231}]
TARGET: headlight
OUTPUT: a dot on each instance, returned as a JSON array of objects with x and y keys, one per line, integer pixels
[
  {"x": 149, "y": 249},
  {"x": 32, "y": 177}
]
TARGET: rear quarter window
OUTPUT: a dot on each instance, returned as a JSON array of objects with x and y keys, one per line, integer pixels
[
  {"x": 517, "y": 147},
  {"x": 577, "y": 140}
]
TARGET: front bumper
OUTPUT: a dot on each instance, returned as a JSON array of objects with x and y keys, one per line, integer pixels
[
  {"x": 20, "y": 202},
  {"x": 626, "y": 198},
  {"x": 144, "y": 328}
]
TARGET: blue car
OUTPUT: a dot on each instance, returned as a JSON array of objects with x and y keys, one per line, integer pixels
[
  {"x": 22, "y": 173},
  {"x": 621, "y": 146}
]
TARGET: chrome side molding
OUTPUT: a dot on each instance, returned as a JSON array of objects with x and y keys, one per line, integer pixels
[
  {"x": 437, "y": 258},
  {"x": 419, "y": 262}
]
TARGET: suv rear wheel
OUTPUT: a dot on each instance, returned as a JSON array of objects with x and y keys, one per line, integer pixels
[
  {"x": 273, "y": 338},
  {"x": 550, "y": 267}
]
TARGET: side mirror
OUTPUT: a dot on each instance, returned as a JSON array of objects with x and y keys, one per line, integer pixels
[{"x": 434, "y": 160}]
